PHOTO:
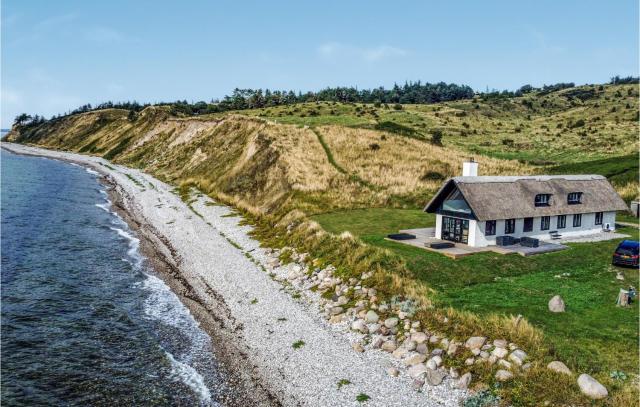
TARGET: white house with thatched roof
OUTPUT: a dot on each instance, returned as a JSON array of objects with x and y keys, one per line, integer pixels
[{"x": 478, "y": 210}]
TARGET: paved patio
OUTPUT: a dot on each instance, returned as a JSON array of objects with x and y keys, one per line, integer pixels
[{"x": 426, "y": 236}]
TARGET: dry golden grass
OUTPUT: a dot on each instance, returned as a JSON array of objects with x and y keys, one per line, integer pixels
[{"x": 403, "y": 165}]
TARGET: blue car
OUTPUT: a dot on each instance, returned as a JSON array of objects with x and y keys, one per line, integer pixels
[{"x": 626, "y": 254}]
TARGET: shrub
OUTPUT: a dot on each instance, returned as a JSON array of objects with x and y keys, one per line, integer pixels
[
  {"x": 397, "y": 106},
  {"x": 374, "y": 146},
  {"x": 432, "y": 176},
  {"x": 508, "y": 142},
  {"x": 436, "y": 137},
  {"x": 578, "y": 123}
]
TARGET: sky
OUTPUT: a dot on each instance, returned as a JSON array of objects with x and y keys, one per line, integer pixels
[{"x": 57, "y": 55}]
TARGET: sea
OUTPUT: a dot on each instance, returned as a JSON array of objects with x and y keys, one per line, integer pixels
[{"x": 84, "y": 320}]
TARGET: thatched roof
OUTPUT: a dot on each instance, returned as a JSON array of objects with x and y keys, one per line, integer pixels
[{"x": 513, "y": 197}]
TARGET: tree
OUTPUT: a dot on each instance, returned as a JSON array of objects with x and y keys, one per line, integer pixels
[{"x": 22, "y": 119}]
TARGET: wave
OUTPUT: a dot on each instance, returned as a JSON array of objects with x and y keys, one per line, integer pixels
[
  {"x": 105, "y": 206},
  {"x": 164, "y": 306},
  {"x": 90, "y": 171},
  {"x": 189, "y": 376},
  {"x": 134, "y": 244}
]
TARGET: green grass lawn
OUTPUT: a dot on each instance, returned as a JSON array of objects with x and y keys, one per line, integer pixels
[{"x": 592, "y": 335}]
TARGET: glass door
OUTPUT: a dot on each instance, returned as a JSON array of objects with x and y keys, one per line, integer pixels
[{"x": 455, "y": 229}]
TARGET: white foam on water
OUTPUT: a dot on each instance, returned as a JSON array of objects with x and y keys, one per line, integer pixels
[
  {"x": 163, "y": 305},
  {"x": 134, "y": 244},
  {"x": 90, "y": 171},
  {"x": 104, "y": 206},
  {"x": 189, "y": 376}
]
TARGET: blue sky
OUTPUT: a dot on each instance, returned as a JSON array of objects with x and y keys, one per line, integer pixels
[{"x": 57, "y": 55}]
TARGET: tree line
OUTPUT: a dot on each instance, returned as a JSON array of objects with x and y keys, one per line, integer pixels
[{"x": 241, "y": 99}]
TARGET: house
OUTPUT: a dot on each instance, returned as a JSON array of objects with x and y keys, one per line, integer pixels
[{"x": 476, "y": 210}]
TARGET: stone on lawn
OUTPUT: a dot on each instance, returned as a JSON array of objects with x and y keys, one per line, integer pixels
[
  {"x": 464, "y": 381},
  {"x": 399, "y": 353},
  {"x": 391, "y": 322},
  {"x": 556, "y": 304},
  {"x": 591, "y": 387},
  {"x": 360, "y": 326},
  {"x": 559, "y": 367},
  {"x": 371, "y": 317},
  {"x": 500, "y": 343},
  {"x": 392, "y": 371},
  {"x": 500, "y": 352},
  {"x": 415, "y": 359},
  {"x": 419, "y": 337},
  {"x": 357, "y": 347},
  {"x": 416, "y": 371},
  {"x": 503, "y": 375},
  {"x": 435, "y": 377},
  {"x": 475, "y": 342},
  {"x": 389, "y": 346},
  {"x": 518, "y": 356},
  {"x": 422, "y": 348}
]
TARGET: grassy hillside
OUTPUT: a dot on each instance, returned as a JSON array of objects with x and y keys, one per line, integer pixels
[{"x": 368, "y": 170}]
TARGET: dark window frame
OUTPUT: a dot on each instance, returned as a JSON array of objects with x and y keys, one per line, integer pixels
[
  {"x": 490, "y": 230},
  {"x": 574, "y": 198},
  {"x": 509, "y": 226},
  {"x": 542, "y": 200},
  {"x": 528, "y": 225},
  {"x": 601, "y": 216},
  {"x": 577, "y": 220},
  {"x": 545, "y": 222},
  {"x": 563, "y": 224}
]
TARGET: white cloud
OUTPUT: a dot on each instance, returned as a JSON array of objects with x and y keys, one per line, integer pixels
[{"x": 335, "y": 50}]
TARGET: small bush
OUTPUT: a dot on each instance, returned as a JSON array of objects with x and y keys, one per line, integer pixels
[
  {"x": 397, "y": 106},
  {"x": 436, "y": 137},
  {"x": 374, "y": 146},
  {"x": 432, "y": 176},
  {"x": 362, "y": 397},
  {"x": 298, "y": 344}
]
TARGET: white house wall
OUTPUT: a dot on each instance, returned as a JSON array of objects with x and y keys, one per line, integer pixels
[
  {"x": 588, "y": 227},
  {"x": 438, "y": 234}
]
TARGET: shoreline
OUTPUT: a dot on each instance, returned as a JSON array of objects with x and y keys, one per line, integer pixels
[
  {"x": 218, "y": 272},
  {"x": 243, "y": 386}
]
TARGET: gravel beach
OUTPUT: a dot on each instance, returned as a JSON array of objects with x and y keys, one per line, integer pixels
[{"x": 219, "y": 272}]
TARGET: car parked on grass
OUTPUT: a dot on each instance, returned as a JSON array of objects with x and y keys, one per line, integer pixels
[{"x": 626, "y": 254}]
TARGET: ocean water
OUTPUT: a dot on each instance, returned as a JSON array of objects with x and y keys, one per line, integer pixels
[{"x": 84, "y": 321}]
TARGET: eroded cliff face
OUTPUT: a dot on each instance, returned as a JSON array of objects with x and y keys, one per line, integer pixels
[{"x": 258, "y": 163}]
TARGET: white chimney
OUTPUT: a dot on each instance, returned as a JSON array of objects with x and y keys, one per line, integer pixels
[{"x": 470, "y": 168}]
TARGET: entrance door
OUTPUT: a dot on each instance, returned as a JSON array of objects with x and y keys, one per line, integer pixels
[{"x": 455, "y": 229}]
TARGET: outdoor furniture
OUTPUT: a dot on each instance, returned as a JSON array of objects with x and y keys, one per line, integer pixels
[
  {"x": 529, "y": 242},
  {"x": 555, "y": 235},
  {"x": 443, "y": 245},
  {"x": 505, "y": 240},
  {"x": 401, "y": 236}
]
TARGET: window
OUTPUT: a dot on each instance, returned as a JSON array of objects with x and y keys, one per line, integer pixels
[
  {"x": 509, "y": 226},
  {"x": 542, "y": 200},
  {"x": 544, "y": 222},
  {"x": 598, "y": 218},
  {"x": 528, "y": 225},
  {"x": 574, "y": 198},
  {"x": 577, "y": 220},
  {"x": 455, "y": 204},
  {"x": 562, "y": 221},
  {"x": 490, "y": 228}
]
